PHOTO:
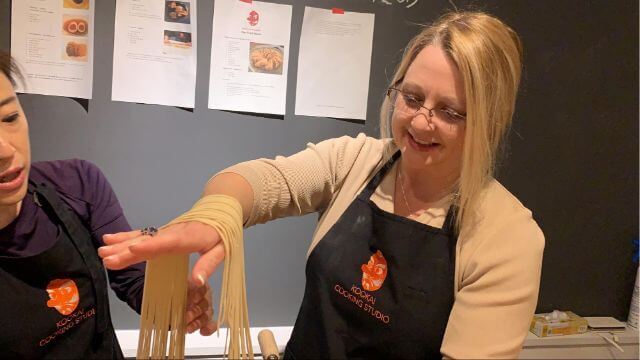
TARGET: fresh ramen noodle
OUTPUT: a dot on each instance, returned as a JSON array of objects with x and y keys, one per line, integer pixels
[
  {"x": 165, "y": 288},
  {"x": 162, "y": 327}
]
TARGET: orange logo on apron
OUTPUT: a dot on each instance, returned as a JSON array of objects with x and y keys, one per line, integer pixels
[
  {"x": 374, "y": 272},
  {"x": 63, "y": 295}
]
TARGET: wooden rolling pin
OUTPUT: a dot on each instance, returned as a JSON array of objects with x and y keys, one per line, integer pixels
[{"x": 268, "y": 345}]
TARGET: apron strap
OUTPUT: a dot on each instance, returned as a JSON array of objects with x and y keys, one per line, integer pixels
[
  {"x": 377, "y": 178},
  {"x": 449, "y": 228},
  {"x": 81, "y": 238}
]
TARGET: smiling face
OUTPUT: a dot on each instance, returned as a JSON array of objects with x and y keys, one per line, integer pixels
[
  {"x": 431, "y": 140},
  {"x": 15, "y": 154}
]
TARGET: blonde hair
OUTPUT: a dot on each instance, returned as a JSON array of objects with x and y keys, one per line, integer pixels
[{"x": 488, "y": 54}]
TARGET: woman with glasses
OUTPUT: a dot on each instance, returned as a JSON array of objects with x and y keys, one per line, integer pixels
[{"x": 419, "y": 252}]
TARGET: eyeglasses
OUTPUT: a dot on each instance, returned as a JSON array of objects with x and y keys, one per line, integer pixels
[{"x": 409, "y": 105}]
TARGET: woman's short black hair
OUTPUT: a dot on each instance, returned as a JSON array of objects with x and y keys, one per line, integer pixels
[{"x": 9, "y": 68}]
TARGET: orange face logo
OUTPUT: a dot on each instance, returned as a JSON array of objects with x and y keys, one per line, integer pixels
[
  {"x": 253, "y": 18},
  {"x": 374, "y": 272},
  {"x": 63, "y": 295}
]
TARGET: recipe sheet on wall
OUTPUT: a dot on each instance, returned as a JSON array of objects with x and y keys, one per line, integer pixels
[
  {"x": 155, "y": 52},
  {"x": 334, "y": 63},
  {"x": 249, "y": 56},
  {"x": 52, "y": 42}
]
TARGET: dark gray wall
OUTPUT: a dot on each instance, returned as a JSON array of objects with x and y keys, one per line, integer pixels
[{"x": 572, "y": 156}]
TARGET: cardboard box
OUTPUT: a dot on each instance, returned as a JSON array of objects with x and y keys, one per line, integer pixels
[{"x": 543, "y": 326}]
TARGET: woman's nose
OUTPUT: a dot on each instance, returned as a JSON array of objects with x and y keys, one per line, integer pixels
[
  {"x": 423, "y": 120},
  {"x": 6, "y": 149}
]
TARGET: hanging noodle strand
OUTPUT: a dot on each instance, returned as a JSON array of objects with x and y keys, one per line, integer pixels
[{"x": 165, "y": 289}]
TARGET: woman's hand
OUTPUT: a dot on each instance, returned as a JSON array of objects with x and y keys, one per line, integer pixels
[
  {"x": 127, "y": 248},
  {"x": 200, "y": 310}
]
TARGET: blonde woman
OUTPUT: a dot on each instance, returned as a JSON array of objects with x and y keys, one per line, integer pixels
[{"x": 419, "y": 252}]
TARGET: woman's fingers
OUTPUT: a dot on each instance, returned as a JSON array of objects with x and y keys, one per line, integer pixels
[
  {"x": 196, "y": 310},
  {"x": 179, "y": 238},
  {"x": 196, "y": 294},
  {"x": 127, "y": 249},
  {"x": 122, "y": 260},
  {"x": 200, "y": 310},
  {"x": 202, "y": 321},
  {"x": 118, "y": 247},
  {"x": 193, "y": 326},
  {"x": 119, "y": 255},
  {"x": 110, "y": 239},
  {"x": 209, "y": 328},
  {"x": 207, "y": 264}
]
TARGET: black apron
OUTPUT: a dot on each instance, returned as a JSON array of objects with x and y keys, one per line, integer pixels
[
  {"x": 55, "y": 304},
  {"x": 378, "y": 285}
]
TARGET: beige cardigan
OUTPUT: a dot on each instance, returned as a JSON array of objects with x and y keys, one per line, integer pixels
[{"x": 498, "y": 262}]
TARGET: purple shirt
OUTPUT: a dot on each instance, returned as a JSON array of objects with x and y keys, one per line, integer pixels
[{"x": 82, "y": 186}]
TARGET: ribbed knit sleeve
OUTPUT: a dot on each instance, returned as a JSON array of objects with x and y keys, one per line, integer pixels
[{"x": 299, "y": 184}]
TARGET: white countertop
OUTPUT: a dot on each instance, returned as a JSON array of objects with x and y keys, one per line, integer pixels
[{"x": 198, "y": 345}]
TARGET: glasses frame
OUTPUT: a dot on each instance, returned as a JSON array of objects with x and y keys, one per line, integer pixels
[{"x": 451, "y": 114}]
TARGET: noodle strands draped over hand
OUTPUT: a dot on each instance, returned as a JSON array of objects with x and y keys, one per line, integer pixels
[
  {"x": 163, "y": 308},
  {"x": 224, "y": 213}
]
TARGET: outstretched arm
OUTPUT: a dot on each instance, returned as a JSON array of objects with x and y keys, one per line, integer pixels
[
  {"x": 128, "y": 248},
  {"x": 265, "y": 189}
]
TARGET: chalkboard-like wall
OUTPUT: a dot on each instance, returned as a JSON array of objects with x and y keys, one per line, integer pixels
[{"x": 572, "y": 155}]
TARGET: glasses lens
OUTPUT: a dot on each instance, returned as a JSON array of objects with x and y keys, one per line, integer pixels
[{"x": 404, "y": 103}]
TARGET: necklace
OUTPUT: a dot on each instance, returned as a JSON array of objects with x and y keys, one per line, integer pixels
[
  {"x": 454, "y": 195},
  {"x": 404, "y": 195}
]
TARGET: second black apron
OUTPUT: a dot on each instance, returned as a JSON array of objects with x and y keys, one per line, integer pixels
[
  {"x": 54, "y": 304},
  {"x": 378, "y": 285}
]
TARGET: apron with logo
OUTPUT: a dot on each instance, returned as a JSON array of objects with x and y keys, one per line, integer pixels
[
  {"x": 54, "y": 304},
  {"x": 378, "y": 285}
]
